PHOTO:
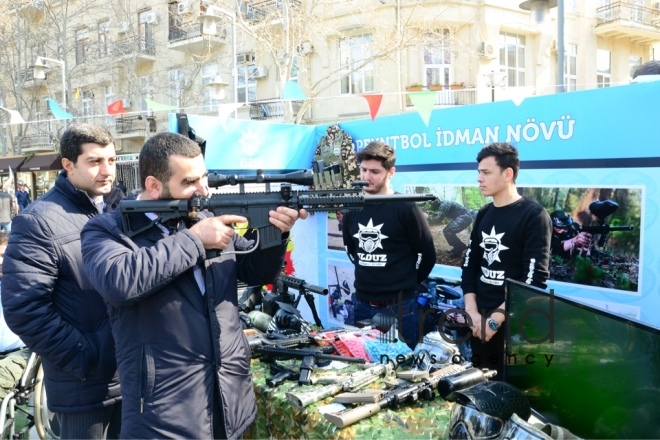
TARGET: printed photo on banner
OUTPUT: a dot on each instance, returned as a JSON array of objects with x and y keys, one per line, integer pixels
[
  {"x": 596, "y": 231},
  {"x": 335, "y": 240},
  {"x": 340, "y": 288}
]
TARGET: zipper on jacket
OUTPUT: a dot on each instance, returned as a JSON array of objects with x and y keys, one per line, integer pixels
[{"x": 141, "y": 405}]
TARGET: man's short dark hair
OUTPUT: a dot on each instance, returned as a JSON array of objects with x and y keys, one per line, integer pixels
[
  {"x": 155, "y": 155},
  {"x": 505, "y": 154},
  {"x": 4, "y": 237},
  {"x": 377, "y": 150},
  {"x": 75, "y": 136},
  {"x": 648, "y": 68}
]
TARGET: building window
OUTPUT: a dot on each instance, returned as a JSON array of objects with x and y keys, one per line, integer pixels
[
  {"x": 109, "y": 98},
  {"x": 87, "y": 104},
  {"x": 512, "y": 58},
  {"x": 570, "y": 67},
  {"x": 247, "y": 85},
  {"x": 603, "y": 68},
  {"x": 357, "y": 69},
  {"x": 208, "y": 74},
  {"x": 82, "y": 45},
  {"x": 294, "y": 68},
  {"x": 104, "y": 42},
  {"x": 437, "y": 62},
  {"x": 145, "y": 31},
  {"x": 175, "y": 87}
]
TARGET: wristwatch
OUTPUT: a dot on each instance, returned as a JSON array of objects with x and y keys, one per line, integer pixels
[{"x": 493, "y": 325}]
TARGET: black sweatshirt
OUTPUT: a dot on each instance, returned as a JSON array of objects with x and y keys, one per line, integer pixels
[
  {"x": 511, "y": 241},
  {"x": 392, "y": 249}
]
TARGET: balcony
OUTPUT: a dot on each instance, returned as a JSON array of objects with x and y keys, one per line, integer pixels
[
  {"x": 625, "y": 20},
  {"x": 265, "y": 11},
  {"x": 451, "y": 97},
  {"x": 133, "y": 127},
  {"x": 271, "y": 109},
  {"x": 37, "y": 142},
  {"x": 144, "y": 49},
  {"x": 188, "y": 36}
]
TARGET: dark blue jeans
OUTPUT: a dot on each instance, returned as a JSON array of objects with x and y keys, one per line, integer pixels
[{"x": 405, "y": 312}]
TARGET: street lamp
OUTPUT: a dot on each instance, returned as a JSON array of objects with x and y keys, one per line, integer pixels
[
  {"x": 539, "y": 9},
  {"x": 40, "y": 68},
  {"x": 210, "y": 21}
]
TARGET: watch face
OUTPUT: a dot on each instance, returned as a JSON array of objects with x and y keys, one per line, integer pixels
[{"x": 493, "y": 324}]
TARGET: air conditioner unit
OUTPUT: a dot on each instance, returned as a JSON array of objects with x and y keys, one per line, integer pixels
[
  {"x": 151, "y": 18},
  {"x": 183, "y": 8},
  {"x": 127, "y": 103},
  {"x": 258, "y": 72},
  {"x": 245, "y": 58},
  {"x": 487, "y": 49},
  {"x": 124, "y": 26},
  {"x": 304, "y": 48}
]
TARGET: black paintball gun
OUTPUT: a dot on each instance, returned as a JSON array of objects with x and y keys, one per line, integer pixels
[
  {"x": 255, "y": 206},
  {"x": 310, "y": 358},
  {"x": 283, "y": 283},
  {"x": 601, "y": 209}
]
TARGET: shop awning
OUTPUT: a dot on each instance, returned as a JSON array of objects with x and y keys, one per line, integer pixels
[
  {"x": 12, "y": 162},
  {"x": 43, "y": 162}
]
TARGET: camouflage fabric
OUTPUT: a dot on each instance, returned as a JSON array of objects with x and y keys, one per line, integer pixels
[
  {"x": 12, "y": 367},
  {"x": 337, "y": 147},
  {"x": 278, "y": 418}
]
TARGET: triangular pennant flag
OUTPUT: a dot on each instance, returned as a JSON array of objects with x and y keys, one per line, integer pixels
[
  {"x": 292, "y": 92},
  {"x": 57, "y": 111},
  {"x": 116, "y": 108},
  {"x": 374, "y": 104},
  {"x": 14, "y": 116},
  {"x": 224, "y": 110},
  {"x": 157, "y": 106},
  {"x": 423, "y": 103}
]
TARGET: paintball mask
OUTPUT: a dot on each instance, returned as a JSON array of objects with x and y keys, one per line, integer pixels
[{"x": 482, "y": 411}]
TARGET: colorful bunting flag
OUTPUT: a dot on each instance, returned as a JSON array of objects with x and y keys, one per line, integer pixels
[
  {"x": 116, "y": 108},
  {"x": 57, "y": 111},
  {"x": 157, "y": 106},
  {"x": 224, "y": 110},
  {"x": 293, "y": 92},
  {"x": 14, "y": 116},
  {"x": 423, "y": 103},
  {"x": 374, "y": 104}
]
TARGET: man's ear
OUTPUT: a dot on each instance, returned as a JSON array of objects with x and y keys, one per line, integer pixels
[
  {"x": 509, "y": 173},
  {"x": 67, "y": 165},
  {"x": 391, "y": 171},
  {"x": 153, "y": 187}
]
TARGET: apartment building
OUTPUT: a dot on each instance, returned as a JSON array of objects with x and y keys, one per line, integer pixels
[{"x": 160, "y": 56}]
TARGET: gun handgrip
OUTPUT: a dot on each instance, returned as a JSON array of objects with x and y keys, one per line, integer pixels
[
  {"x": 278, "y": 378},
  {"x": 306, "y": 367},
  {"x": 346, "y": 418}
]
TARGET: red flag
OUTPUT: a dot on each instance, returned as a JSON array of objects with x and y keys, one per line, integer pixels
[
  {"x": 374, "y": 104},
  {"x": 116, "y": 108}
]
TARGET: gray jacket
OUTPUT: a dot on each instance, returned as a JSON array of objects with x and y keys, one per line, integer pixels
[
  {"x": 50, "y": 303},
  {"x": 176, "y": 347}
]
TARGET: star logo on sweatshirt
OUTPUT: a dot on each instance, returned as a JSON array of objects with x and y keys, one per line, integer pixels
[
  {"x": 492, "y": 245},
  {"x": 370, "y": 236}
]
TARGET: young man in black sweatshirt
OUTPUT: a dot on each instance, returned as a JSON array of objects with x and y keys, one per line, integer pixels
[
  {"x": 390, "y": 245},
  {"x": 510, "y": 239}
]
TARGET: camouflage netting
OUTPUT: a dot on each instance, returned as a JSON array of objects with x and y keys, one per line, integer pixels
[
  {"x": 337, "y": 147},
  {"x": 277, "y": 418}
]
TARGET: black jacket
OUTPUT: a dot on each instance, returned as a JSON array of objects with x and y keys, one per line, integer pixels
[
  {"x": 50, "y": 303},
  {"x": 175, "y": 345}
]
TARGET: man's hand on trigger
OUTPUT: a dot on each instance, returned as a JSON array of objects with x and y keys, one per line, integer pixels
[
  {"x": 216, "y": 232},
  {"x": 284, "y": 218}
]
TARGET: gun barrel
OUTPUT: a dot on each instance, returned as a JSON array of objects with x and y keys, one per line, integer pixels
[
  {"x": 399, "y": 198},
  {"x": 604, "y": 229},
  {"x": 298, "y": 284}
]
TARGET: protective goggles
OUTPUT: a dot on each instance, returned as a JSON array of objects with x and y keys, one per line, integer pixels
[{"x": 467, "y": 422}]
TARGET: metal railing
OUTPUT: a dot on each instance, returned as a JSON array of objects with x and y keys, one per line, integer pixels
[
  {"x": 257, "y": 11},
  {"x": 448, "y": 96},
  {"x": 37, "y": 142},
  {"x": 134, "y": 45},
  {"x": 624, "y": 11},
  {"x": 271, "y": 108}
]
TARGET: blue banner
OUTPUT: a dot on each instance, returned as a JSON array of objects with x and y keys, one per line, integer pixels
[{"x": 238, "y": 145}]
